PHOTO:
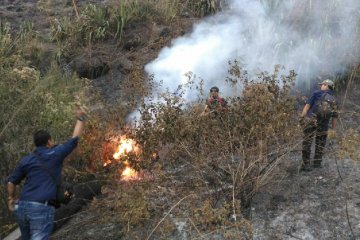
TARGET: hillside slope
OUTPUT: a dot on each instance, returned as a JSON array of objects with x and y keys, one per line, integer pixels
[{"x": 322, "y": 204}]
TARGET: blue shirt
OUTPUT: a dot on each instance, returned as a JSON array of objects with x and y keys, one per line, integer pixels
[
  {"x": 39, "y": 186},
  {"x": 314, "y": 98}
]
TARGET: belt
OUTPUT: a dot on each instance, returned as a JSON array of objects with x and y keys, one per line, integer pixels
[{"x": 47, "y": 203}]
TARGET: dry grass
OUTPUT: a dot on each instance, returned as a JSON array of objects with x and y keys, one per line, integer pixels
[{"x": 209, "y": 167}]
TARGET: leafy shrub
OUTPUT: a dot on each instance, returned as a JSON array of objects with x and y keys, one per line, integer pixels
[
  {"x": 9, "y": 43},
  {"x": 5, "y": 40},
  {"x": 221, "y": 160}
]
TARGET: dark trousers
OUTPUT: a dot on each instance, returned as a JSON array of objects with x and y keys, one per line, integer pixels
[{"x": 319, "y": 131}]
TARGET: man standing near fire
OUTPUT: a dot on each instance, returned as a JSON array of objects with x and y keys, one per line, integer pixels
[
  {"x": 34, "y": 211},
  {"x": 215, "y": 104},
  {"x": 315, "y": 118}
]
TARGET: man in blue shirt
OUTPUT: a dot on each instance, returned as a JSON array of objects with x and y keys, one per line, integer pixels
[
  {"x": 315, "y": 118},
  {"x": 33, "y": 210}
]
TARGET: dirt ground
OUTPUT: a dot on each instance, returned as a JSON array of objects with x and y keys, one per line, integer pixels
[{"x": 321, "y": 204}]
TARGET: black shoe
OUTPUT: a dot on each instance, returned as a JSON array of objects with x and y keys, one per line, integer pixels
[{"x": 305, "y": 168}]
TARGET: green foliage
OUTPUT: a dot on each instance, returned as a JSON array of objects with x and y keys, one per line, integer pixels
[
  {"x": 62, "y": 29},
  {"x": 26, "y": 31},
  {"x": 148, "y": 10},
  {"x": 5, "y": 38},
  {"x": 30, "y": 101},
  {"x": 97, "y": 23},
  {"x": 92, "y": 26},
  {"x": 205, "y": 7},
  {"x": 94, "y": 23},
  {"x": 121, "y": 17}
]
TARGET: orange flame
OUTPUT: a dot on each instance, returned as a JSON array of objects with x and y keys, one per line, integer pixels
[
  {"x": 107, "y": 162},
  {"x": 126, "y": 145},
  {"x": 128, "y": 173}
]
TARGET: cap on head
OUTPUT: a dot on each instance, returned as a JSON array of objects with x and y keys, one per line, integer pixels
[
  {"x": 214, "y": 88},
  {"x": 327, "y": 82}
]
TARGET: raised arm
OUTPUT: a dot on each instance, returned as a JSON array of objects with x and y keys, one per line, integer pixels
[{"x": 80, "y": 121}]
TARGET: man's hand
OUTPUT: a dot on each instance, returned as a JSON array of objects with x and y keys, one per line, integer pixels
[
  {"x": 332, "y": 134},
  {"x": 11, "y": 204},
  {"x": 11, "y": 199},
  {"x": 80, "y": 113}
]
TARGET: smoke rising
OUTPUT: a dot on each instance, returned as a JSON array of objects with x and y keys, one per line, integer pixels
[{"x": 316, "y": 38}]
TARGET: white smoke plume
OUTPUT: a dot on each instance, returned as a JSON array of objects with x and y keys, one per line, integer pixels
[{"x": 316, "y": 38}]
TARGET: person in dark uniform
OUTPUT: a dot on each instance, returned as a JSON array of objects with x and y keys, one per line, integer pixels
[{"x": 315, "y": 119}]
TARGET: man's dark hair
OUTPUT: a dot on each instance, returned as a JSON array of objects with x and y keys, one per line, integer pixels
[
  {"x": 41, "y": 138},
  {"x": 214, "y": 88}
]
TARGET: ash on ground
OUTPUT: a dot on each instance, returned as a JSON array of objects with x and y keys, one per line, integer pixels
[{"x": 321, "y": 204}]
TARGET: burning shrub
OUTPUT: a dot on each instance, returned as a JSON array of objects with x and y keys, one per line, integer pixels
[{"x": 221, "y": 159}]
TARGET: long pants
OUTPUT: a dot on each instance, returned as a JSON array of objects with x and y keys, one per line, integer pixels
[
  {"x": 35, "y": 220},
  {"x": 319, "y": 131}
]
